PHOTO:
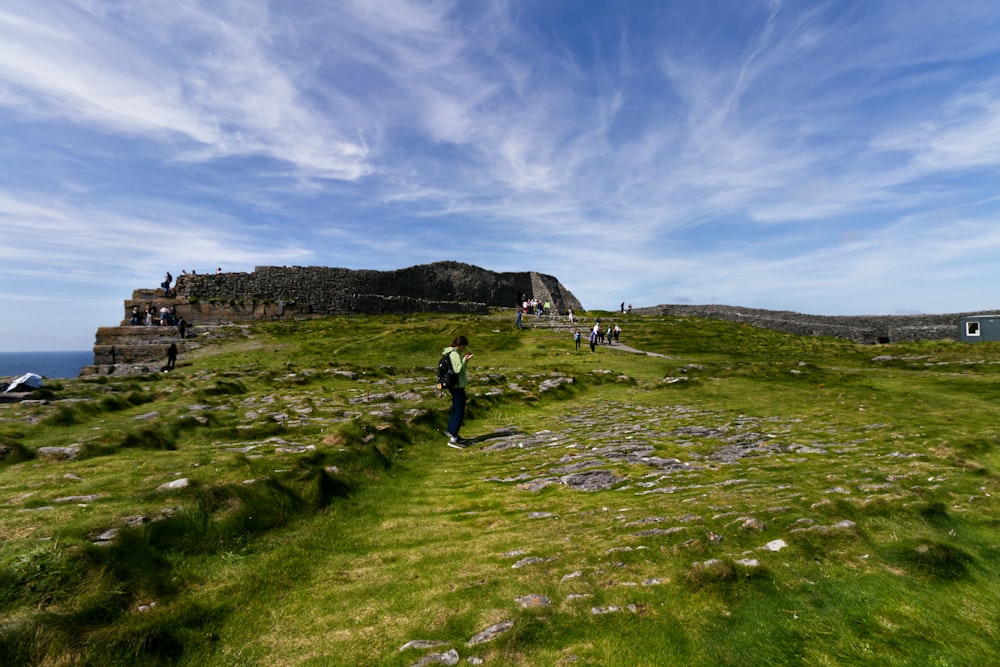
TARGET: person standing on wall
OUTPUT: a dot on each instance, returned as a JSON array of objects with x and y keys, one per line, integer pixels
[{"x": 459, "y": 359}]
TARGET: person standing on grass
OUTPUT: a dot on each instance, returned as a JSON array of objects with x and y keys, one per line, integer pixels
[
  {"x": 576, "y": 338},
  {"x": 171, "y": 356},
  {"x": 459, "y": 358}
]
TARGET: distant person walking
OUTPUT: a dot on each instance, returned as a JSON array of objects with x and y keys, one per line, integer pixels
[
  {"x": 182, "y": 327},
  {"x": 576, "y": 339},
  {"x": 593, "y": 339},
  {"x": 517, "y": 319},
  {"x": 171, "y": 357},
  {"x": 459, "y": 360}
]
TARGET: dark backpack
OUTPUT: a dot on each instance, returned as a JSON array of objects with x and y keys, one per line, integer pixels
[{"x": 447, "y": 377}]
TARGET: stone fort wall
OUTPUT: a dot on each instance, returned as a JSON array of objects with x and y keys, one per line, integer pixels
[
  {"x": 278, "y": 292},
  {"x": 865, "y": 329}
]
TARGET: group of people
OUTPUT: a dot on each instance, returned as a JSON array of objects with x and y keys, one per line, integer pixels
[
  {"x": 535, "y": 306},
  {"x": 164, "y": 317},
  {"x": 598, "y": 335}
]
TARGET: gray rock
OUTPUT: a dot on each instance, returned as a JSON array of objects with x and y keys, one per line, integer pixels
[
  {"x": 490, "y": 633},
  {"x": 78, "y": 499},
  {"x": 596, "y": 611},
  {"x": 750, "y": 523},
  {"x": 181, "y": 483},
  {"x": 533, "y": 601},
  {"x": 107, "y": 536},
  {"x": 659, "y": 531},
  {"x": 552, "y": 383},
  {"x": 67, "y": 453},
  {"x": 538, "y": 484},
  {"x": 420, "y": 643},
  {"x": 530, "y": 560},
  {"x": 447, "y": 658},
  {"x": 591, "y": 480}
]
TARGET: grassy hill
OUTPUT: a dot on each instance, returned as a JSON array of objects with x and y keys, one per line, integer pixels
[{"x": 285, "y": 497}]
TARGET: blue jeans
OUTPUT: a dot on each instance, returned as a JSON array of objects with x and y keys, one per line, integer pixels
[{"x": 457, "y": 410}]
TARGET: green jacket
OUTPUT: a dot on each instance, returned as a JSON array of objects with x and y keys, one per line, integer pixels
[{"x": 458, "y": 365}]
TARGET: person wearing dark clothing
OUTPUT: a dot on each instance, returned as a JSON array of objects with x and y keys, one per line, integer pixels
[
  {"x": 171, "y": 356},
  {"x": 459, "y": 360},
  {"x": 182, "y": 327}
]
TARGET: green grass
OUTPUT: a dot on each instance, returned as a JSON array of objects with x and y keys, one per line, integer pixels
[{"x": 325, "y": 523}]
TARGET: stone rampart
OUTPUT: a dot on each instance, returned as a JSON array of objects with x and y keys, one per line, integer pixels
[
  {"x": 281, "y": 292},
  {"x": 272, "y": 292},
  {"x": 865, "y": 329}
]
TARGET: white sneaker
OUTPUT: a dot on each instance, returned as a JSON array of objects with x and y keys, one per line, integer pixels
[{"x": 453, "y": 441}]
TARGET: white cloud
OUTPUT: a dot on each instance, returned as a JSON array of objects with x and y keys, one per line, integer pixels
[{"x": 836, "y": 154}]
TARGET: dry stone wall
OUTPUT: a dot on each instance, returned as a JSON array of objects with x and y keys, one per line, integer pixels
[
  {"x": 277, "y": 292},
  {"x": 865, "y": 329}
]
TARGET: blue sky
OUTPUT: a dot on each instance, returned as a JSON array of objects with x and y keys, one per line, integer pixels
[{"x": 822, "y": 157}]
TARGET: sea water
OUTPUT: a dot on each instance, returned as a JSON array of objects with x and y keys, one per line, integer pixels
[{"x": 47, "y": 364}]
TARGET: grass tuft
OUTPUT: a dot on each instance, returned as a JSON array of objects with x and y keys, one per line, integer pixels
[
  {"x": 14, "y": 452},
  {"x": 149, "y": 437},
  {"x": 935, "y": 560}
]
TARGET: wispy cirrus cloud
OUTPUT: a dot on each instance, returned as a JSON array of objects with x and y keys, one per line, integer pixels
[{"x": 781, "y": 153}]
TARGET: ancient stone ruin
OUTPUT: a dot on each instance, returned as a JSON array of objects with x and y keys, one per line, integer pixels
[
  {"x": 864, "y": 329},
  {"x": 277, "y": 292}
]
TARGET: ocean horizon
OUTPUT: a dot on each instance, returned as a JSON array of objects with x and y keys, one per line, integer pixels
[{"x": 54, "y": 365}]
